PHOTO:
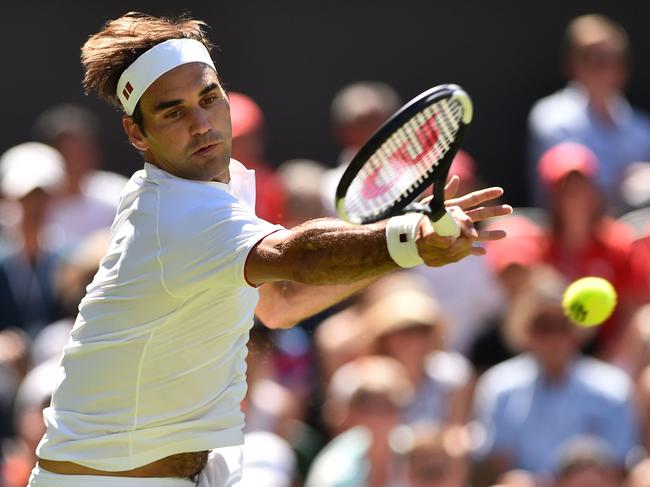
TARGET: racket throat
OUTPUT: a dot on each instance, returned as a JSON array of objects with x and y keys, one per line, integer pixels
[{"x": 434, "y": 214}]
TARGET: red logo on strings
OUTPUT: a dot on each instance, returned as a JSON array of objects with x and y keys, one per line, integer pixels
[{"x": 409, "y": 153}]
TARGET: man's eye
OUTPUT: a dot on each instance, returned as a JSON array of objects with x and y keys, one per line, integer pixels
[
  {"x": 173, "y": 114},
  {"x": 210, "y": 99}
]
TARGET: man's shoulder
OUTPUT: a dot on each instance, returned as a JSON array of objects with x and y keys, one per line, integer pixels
[
  {"x": 556, "y": 109},
  {"x": 559, "y": 97},
  {"x": 512, "y": 374},
  {"x": 602, "y": 379},
  {"x": 641, "y": 121}
]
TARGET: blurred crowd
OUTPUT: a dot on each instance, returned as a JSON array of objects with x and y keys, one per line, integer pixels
[{"x": 467, "y": 375}]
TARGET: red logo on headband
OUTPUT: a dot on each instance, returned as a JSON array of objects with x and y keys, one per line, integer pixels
[{"x": 128, "y": 89}]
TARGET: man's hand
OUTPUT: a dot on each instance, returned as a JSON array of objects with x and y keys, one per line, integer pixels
[{"x": 436, "y": 250}]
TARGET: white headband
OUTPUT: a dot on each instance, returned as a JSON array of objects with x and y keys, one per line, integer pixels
[{"x": 153, "y": 64}]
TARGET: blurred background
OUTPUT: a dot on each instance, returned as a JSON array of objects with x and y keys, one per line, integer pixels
[
  {"x": 292, "y": 57},
  {"x": 467, "y": 375}
]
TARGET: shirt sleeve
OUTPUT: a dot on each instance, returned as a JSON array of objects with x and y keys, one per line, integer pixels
[{"x": 206, "y": 246}]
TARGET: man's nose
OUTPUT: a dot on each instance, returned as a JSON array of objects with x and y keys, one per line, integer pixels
[{"x": 200, "y": 122}]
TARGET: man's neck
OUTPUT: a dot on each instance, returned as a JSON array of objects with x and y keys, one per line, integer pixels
[
  {"x": 555, "y": 374},
  {"x": 601, "y": 107},
  {"x": 600, "y": 102}
]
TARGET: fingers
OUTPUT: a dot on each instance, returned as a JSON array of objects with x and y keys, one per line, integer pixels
[
  {"x": 437, "y": 251},
  {"x": 451, "y": 188},
  {"x": 466, "y": 210},
  {"x": 427, "y": 200},
  {"x": 478, "y": 251},
  {"x": 485, "y": 213},
  {"x": 490, "y": 235},
  {"x": 464, "y": 221},
  {"x": 475, "y": 198},
  {"x": 487, "y": 236}
]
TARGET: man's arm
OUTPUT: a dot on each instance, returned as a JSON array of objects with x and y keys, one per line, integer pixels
[
  {"x": 319, "y": 263},
  {"x": 340, "y": 259},
  {"x": 283, "y": 304},
  {"x": 320, "y": 252},
  {"x": 329, "y": 251}
]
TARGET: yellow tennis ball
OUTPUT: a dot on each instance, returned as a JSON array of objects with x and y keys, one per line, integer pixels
[{"x": 589, "y": 301}]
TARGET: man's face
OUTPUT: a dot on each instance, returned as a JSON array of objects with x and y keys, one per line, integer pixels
[
  {"x": 577, "y": 199},
  {"x": 553, "y": 339},
  {"x": 601, "y": 68},
  {"x": 186, "y": 119},
  {"x": 376, "y": 412}
]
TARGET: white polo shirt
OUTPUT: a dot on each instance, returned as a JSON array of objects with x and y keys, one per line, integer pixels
[{"x": 156, "y": 360}]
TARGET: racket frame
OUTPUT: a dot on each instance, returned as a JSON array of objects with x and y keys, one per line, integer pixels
[{"x": 436, "y": 209}]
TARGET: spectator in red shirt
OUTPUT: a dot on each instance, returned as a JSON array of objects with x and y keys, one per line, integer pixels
[
  {"x": 248, "y": 148},
  {"x": 640, "y": 263},
  {"x": 583, "y": 240}
]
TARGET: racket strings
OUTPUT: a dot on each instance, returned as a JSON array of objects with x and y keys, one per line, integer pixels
[{"x": 405, "y": 159}]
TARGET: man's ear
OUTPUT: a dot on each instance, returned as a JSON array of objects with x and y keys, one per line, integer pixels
[{"x": 134, "y": 133}]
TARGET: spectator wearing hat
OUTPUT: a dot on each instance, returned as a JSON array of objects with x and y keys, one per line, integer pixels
[
  {"x": 409, "y": 326},
  {"x": 344, "y": 336},
  {"x": 583, "y": 239},
  {"x": 592, "y": 109},
  {"x": 363, "y": 403},
  {"x": 530, "y": 405},
  {"x": 248, "y": 147},
  {"x": 30, "y": 175},
  {"x": 87, "y": 200}
]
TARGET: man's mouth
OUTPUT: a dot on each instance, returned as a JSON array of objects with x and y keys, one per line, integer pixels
[{"x": 205, "y": 149}]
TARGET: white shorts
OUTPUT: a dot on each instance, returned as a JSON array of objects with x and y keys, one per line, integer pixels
[{"x": 222, "y": 470}]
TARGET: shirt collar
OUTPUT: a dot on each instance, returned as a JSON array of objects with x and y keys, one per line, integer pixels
[
  {"x": 543, "y": 382},
  {"x": 155, "y": 172}
]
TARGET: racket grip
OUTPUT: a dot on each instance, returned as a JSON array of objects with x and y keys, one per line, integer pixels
[{"x": 446, "y": 226}]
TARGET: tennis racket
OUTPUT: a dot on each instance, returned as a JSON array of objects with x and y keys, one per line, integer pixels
[{"x": 411, "y": 151}]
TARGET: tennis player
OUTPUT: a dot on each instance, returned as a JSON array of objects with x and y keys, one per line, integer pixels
[{"x": 152, "y": 377}]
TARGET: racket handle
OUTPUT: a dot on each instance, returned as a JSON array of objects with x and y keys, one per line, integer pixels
[{"x": 446, "y": 226}]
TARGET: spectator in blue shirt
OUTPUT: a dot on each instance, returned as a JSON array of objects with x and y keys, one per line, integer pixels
[
  {"x": 532, "y": 404},
  {"x": 592, "y": 109}
]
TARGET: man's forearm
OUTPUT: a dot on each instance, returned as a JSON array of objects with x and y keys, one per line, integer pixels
[
  {"x": 285, "y": 303},
  {"x": 328, "y": 251}
]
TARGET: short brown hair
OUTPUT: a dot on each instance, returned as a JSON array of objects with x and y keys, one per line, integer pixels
[
  {"x": 120, "y": 42},
  {"x": 588, "y": 30}
]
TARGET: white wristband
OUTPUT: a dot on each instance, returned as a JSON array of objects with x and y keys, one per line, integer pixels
[{"x": 401, "y": 232}]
